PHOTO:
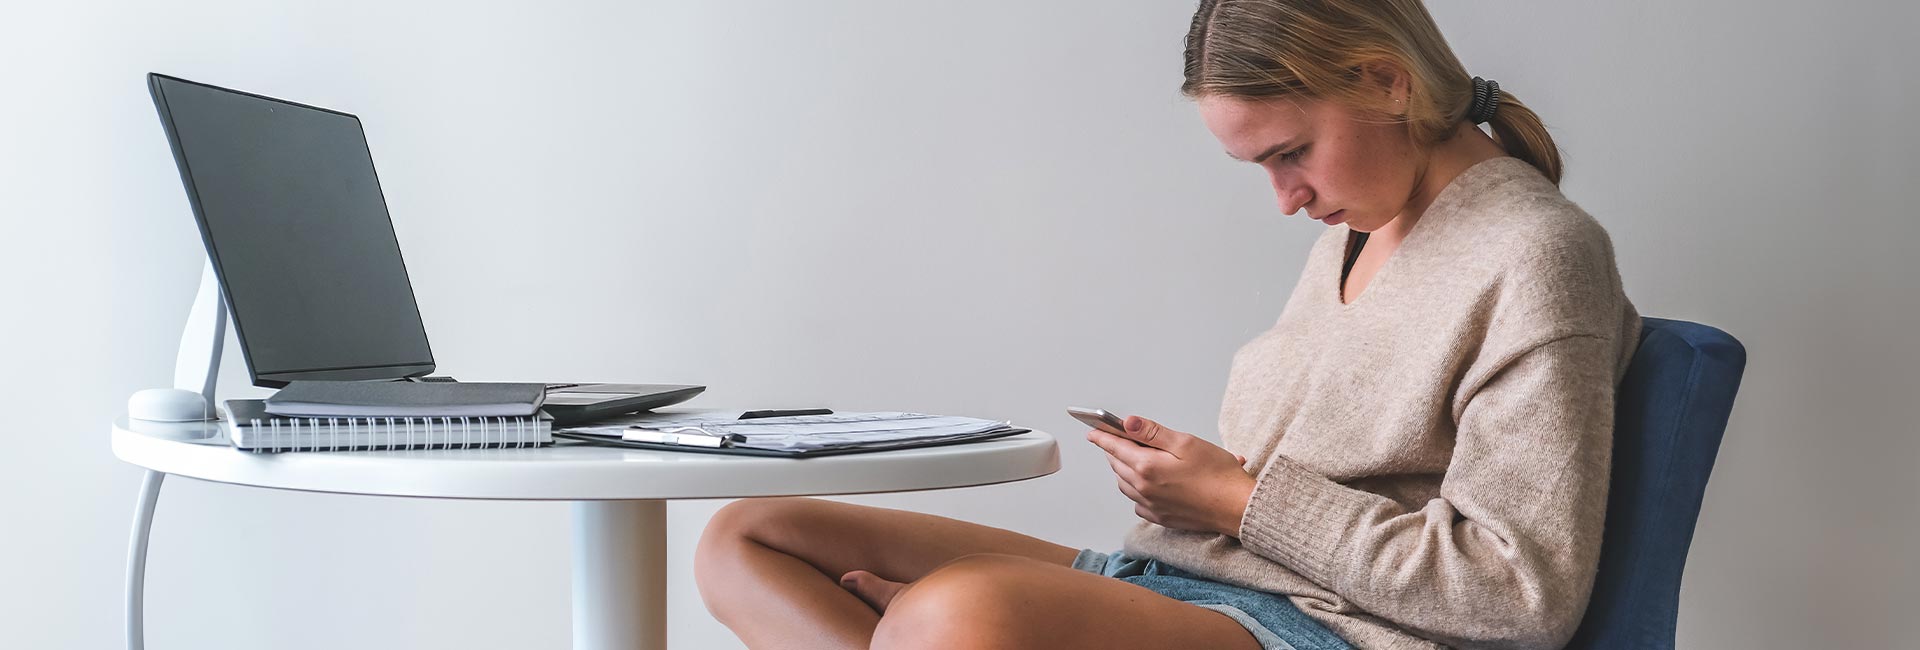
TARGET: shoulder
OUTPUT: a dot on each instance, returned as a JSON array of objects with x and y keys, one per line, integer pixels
[
  {"x": 1524, "y": 215},
  {"x": 1548, "y": 265}
]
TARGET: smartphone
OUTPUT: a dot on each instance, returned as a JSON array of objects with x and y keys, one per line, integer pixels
[{"x": 1099, "y": 419}]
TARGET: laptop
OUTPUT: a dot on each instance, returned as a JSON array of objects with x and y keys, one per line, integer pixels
[{"x": 298, "y": 233}]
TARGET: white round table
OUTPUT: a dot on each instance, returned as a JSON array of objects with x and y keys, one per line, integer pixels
[{"x": 619, "y": 530}]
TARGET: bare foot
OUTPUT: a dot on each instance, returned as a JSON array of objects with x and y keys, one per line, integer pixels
[{"x": 875, "y": 590}]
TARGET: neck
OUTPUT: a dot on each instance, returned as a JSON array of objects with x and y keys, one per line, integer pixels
[{"x": 1469, "y": 146}]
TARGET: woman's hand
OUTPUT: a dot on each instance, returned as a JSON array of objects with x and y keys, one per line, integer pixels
[{"x": 1176, "y": 479}]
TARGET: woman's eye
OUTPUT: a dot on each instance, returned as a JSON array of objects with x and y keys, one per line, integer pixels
[{"x": 1294, "y": 155}]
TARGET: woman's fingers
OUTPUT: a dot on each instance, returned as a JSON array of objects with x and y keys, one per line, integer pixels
[
  {"x": 1126, "y": 450},
  {"x": 1143, "y": 512},
  {"x": 1151, "y": 434},
  {"x": 1124, "y": 471}
]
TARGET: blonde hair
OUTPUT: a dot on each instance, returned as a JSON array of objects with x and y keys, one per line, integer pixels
[{"x": 1260, "y": 49}]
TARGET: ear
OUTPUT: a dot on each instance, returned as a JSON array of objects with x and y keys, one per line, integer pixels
[{"x": 1393, "y": 82}]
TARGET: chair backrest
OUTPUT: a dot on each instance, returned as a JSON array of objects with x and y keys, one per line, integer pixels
[{"x": 1670, "y": 412}]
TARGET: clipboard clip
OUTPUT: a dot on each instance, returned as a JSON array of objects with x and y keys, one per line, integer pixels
[
  {"x": 685, "y": 437},
  {"x": 782, "y": 413}
]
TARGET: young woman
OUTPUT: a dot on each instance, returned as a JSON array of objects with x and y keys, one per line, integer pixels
[{"x": 1415, "y": 455}]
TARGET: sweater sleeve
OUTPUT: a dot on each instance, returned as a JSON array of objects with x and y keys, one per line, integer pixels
[{"x": 1505, "y": 557}]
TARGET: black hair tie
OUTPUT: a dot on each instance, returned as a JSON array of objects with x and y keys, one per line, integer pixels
[{"x": 1486, "y": 100}]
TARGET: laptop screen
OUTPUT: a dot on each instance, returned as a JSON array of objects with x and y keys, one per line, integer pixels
[{"x": 298, "y": 232}]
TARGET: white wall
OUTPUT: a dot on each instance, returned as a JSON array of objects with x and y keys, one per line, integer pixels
[{"x": 993, "y": 208}]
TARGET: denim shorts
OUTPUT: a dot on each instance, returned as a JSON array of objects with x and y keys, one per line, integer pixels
[{"x": 1272, "y": 619}]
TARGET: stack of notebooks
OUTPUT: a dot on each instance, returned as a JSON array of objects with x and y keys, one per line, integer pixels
[{"x": 333, "y": 415}]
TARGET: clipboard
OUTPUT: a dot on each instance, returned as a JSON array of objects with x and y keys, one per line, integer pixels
[{"x": 738, "y": 450}]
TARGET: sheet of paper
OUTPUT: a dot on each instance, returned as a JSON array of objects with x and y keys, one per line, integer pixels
[{"x": 803, "y": 431}]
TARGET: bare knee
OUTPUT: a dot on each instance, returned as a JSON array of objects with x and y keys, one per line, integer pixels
[
  {"x": 739, "y": 527},
  {"x": 773, "y": 521},
  {"x": 971, "y": 602}
]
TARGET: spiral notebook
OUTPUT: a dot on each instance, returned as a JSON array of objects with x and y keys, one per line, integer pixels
[{"x": 251, "y": 428}]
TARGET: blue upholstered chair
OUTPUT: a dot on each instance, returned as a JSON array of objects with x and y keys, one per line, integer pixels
[{"x": 1670, "y": 413}]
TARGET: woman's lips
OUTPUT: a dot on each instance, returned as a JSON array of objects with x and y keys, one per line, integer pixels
[{"x": 1336, "y": 218}]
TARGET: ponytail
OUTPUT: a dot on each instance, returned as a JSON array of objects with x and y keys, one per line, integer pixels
[{"x": 1520, "y": 132}]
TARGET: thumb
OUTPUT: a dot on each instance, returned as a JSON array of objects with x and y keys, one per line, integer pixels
[{"x": 1146, "y": 432}]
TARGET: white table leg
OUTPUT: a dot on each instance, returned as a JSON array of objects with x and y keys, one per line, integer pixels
[
  {"x": 137, "y": 559},
  {"x": 620, "y": 575}
]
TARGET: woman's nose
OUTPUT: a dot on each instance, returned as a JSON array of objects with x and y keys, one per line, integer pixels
[
  {"x": 1292, "y": 196},
  {"x": 1294, "y": 202}
]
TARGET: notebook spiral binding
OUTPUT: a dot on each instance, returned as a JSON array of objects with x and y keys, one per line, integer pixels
[{"x": 360, "y": 434}]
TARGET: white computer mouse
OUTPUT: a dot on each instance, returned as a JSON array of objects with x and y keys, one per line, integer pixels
[{"x": 168, "y": 405}]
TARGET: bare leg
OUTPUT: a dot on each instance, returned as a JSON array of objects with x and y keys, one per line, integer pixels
[
  {"x": 770, "y": 569},
  {"x": 875, "y": 591},
  {"x": 1004, "y": 602}
]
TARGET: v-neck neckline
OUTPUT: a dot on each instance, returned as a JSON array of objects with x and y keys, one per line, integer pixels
[
  {"x": 1443, "y": 203},
  {"x": 1350, "y": 258},
  {"x": 1350, "y": 253}
]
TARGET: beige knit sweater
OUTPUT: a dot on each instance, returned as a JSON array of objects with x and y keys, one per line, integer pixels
[{"x": 1433, "y": 457}]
